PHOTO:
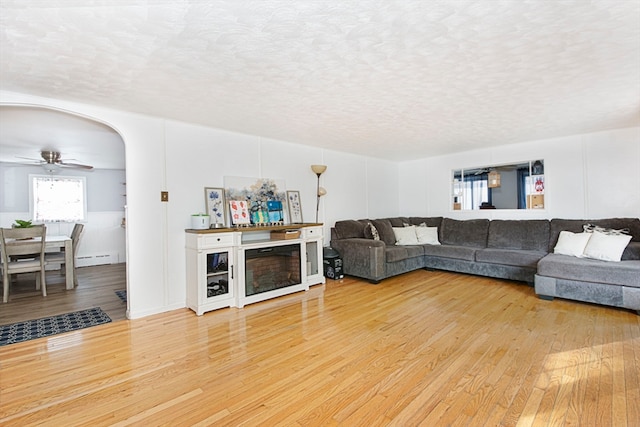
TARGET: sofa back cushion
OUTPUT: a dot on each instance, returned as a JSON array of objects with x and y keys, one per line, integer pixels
[
  {"x": 385, "y": 230},
  {"x": 432, "y": 221},
  {"x": 472, "y": 233},
  {"x": 349, "y": 229},
  {"x": 530, "y": 235},
  {"x": 576, "y": 226},
  {"x": 631, "y": 252},
  {"x": 398, "y": 221}
]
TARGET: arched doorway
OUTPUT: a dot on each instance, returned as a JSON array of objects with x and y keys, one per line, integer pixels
[{"x": 26, "y": 130}]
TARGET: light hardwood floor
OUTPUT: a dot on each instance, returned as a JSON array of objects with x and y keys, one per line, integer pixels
[
  {"x": 96, "y": 288},
  {"x": 425, "y": 348}
]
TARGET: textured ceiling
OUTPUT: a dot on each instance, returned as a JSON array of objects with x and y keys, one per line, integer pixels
[{"x": 391, "y": 79}]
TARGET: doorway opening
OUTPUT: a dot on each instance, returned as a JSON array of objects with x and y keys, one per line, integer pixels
[{"x": 101, "y": 255}]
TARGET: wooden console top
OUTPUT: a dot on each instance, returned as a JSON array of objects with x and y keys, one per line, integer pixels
[{"x": 251, "y": 228}]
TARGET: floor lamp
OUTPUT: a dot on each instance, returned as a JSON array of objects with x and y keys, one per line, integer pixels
[{"x": 319, "y": 170}]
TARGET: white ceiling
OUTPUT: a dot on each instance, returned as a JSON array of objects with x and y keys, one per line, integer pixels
[{"x": 391, "y": 79}]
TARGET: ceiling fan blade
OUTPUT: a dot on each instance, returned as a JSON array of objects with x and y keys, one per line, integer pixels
[
  {"x": 30, "y": 158},
  {"x": 75, "y": 165}
]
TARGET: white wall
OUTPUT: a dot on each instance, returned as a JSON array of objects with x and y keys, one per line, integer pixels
[
  {"x": 592, "y": 175},
  {"x": 199, "y": 157},
  {"x": 183, "y": 159}
]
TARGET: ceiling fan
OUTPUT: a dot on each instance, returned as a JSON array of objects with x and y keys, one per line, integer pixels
[
  {"x": 506, "y": 168},
  {"x": 52, "y": 161}
]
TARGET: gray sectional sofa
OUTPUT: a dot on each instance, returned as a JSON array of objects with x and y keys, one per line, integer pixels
[{"x": 520, "y": 250}]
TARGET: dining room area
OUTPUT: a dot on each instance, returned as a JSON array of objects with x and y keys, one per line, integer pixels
[
  {"x": 41, "y": 278},
  {"x": 67, "y": 176},
  {"x": 26, "y": 248},
  {"x": 53, "y": 279},
  {"x": 44, "y": 292}
]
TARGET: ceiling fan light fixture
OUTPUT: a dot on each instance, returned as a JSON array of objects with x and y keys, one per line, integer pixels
[
  {"x": 50, "y": 156},
  {"x": 51, "y": 167},
  {"x": 55, "y": 158}
]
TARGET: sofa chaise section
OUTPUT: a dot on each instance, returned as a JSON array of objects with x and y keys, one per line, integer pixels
[{"x": 590, "y": 280}]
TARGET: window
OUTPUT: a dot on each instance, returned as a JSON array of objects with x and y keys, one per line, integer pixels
[
  {"x": 57, "y": 198},
  {"x": 476, "y": 191},
  {"x": 472, "y": 191},
  {"x": 519, "y": 186}
]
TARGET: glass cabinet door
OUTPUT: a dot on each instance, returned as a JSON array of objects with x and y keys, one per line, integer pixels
[
  {"x": 312, "y": 258},
  {"x": 218, "y": 274}
]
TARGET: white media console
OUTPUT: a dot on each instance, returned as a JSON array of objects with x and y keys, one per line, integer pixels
[{"x": 232, "y": 267}]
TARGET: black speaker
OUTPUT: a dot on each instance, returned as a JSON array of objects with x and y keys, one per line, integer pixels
[{"x": 333, "y": 268}]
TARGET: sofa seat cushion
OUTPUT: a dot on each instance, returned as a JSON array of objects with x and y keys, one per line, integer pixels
[
  {"x": 515, "y": 257},
  {"x": 399, "y": 253},
  {"x": 451, "y": 251},
  {"x": 624, "y": 273}
]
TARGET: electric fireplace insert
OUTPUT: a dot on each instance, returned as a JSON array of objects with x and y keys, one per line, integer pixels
[{"x": 271, "y": 268}]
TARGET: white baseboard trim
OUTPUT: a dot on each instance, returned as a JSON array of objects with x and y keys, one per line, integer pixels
[
  {"x": 138, "y": 314},
  {"x": 97, "y": 259}
]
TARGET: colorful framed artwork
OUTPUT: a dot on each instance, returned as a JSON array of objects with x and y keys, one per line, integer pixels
[
  {"x": 274, "y": 207},
  {"x": 239, "y": 212},
  {"x": 295, "y": 208},
  {"x": 258, "y": 193},
  {"x": 216, "y": 206}
]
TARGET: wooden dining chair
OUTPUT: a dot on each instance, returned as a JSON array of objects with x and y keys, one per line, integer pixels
[
  {"x": 18, "y": 242},
  {"x": 59, "y": 257}
]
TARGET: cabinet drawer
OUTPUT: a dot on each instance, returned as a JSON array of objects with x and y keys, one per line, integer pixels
[
  {"x": 311, "y": 232},
  {"x": 216, "y": 240}
]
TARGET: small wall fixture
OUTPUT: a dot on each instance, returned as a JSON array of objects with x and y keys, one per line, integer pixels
[{"x": 319, "y": 170}]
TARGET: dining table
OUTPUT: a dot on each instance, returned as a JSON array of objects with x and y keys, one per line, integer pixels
[{"x": 53, "y": 244}]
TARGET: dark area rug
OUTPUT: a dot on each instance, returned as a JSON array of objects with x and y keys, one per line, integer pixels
[
  {"x": 122, "y": 295},
  {"x": 47, "y": 326}
]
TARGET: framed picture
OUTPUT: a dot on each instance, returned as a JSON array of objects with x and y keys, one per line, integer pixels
[
  {"x": 239, "y": 212},
  {"x": 262, "y": 196},
  {"x": 295, "y": 209},
  {"x": 275, "y": 211},
  {"x": 216, "y": 206}
]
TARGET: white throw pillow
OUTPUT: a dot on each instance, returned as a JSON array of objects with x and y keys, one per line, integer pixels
[
  {"x": 606, "y": 247},
  {"x": 572, "y": 243},
  {"x": 427, "y": 235},
  {"x": 405, "y": 235}
]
